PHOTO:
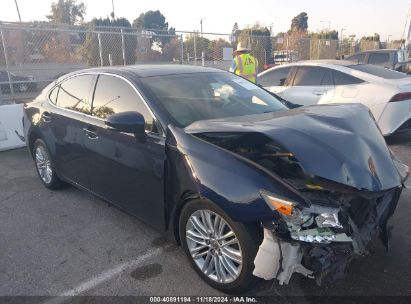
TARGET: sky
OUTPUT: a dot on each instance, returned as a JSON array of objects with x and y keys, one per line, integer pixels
[{"x": 357, "y": 17}]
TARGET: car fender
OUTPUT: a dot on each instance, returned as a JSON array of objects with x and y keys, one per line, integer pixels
[{"x": 209, "y": 172}]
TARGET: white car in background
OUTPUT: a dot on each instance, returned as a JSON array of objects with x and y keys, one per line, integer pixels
[{"x": 387, "y": 93}]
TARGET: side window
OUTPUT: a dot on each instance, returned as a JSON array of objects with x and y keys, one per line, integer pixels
[
  {"x": 378, "y": 58},
  {"x": 311, "y": 76},
  {"x": 74, "y": 93},
  {"x": 114, "y": 95},
  {"x": 275, "y": 78},
  {"x": 327, "y": 78},
  {"x": 341, "y": 78},
  {"x": 360, "y": 58},
  {"x": 54, "y": 94}
]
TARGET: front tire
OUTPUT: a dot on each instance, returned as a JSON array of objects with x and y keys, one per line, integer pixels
[
  {"x": 220, "y": 250},
  {"x": 44, "y": 165}
]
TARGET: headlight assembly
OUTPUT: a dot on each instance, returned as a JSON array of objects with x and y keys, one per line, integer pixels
[
  {"x": 291, "y": 214},
  {"x": 311, "y": 224}
]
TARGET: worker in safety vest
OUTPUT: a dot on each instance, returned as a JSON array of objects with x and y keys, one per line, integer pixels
[{"x": 244, "y": 64}]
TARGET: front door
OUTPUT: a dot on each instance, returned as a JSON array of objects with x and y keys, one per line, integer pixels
[{"x": 127, "y": 171}]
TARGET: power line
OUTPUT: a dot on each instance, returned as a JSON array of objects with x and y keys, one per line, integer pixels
[{"x": 18, "y": 11}]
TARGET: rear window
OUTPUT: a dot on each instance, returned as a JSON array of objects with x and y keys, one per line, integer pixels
[
  {"x": 379, "y": 58},
  {"x": 341, "y": 78},
  {"x": 378, "y": 71},
  {"x": 360, "y": 58}
]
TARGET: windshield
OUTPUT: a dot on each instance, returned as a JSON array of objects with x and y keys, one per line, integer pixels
[
  {"x": 378, "y": 71},
  {"x": 192, "y": 97}
]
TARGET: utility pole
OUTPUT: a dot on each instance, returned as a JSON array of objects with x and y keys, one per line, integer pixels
[
  {"x": 112, "y": 13},
  {"x": 341, "y": 42},
  {"x": 18, "y": 11},
  {"x": 201, "y": 26}
]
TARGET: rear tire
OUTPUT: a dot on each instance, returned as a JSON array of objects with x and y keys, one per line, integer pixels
[
  {"x": 44, "y": 165},
  {"x": 226, "y": 263}
]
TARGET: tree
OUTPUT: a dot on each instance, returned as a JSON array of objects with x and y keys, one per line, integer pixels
[
  {"x": 201, "y": 45},
  {"x": 155, "y": 21},
  {"x": 333, "y": 34},
  {"x": 258, "y": 39},
  {"x": 299, "y": 23},
  {"x": 215, "y": 48},
  {"x": 376, "y": 37},
  {"x": 111, "y": 42},
  {"x": 57, "y": 49},
  {"x": 67, "y": 12},
  {"x": 370, "y": 42},
  {"x": 172, "y": 50}
]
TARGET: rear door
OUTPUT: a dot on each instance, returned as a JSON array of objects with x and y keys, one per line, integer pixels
[
  {"x": 66, "y": 121},
  {"x": 122, "y": 169},
  {"x": 276, "y": 80},
  {"x": 309, "y": 85}
]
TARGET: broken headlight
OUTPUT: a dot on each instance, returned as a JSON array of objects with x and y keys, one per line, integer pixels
[
  {"x": 288, "y": 209},
  {"x": 311, "y": 224},
  {"x": 329, "y": 220}
]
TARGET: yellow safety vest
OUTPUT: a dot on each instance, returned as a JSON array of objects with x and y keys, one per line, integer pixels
[{"x": 246, "y": 66}]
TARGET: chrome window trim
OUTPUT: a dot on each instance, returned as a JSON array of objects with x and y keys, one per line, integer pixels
[{"x": 156, "y": 121}]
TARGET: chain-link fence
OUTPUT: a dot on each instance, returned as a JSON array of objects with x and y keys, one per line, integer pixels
[{"x": 34, "y": 54}]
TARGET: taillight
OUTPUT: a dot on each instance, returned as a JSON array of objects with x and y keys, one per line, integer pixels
[{"x": 401, "y": 97}]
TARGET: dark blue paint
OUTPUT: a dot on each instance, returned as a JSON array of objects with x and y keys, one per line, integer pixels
[{"x": 154, "y": 177}]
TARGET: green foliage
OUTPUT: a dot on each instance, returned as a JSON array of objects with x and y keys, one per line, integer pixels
[
  {"x": 299, "y": 23},
  {"x": 67, "y": 12},
  {"x": 325, "y": 35},
  {"x": 376, "y": 37},
  {"x": 215, "y": 48},
  {"x": 156, "y": 22},
  {"x": 201, "y": 46},
  {"x": 258, "y": 39},
  {"x": 110, "y": 43}
]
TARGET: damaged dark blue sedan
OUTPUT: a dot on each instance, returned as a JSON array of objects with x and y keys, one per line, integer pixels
[{"x": 249, "y": 187}]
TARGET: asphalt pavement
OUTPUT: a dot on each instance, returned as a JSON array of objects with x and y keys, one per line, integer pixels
[{"x": 67, "y": 243}]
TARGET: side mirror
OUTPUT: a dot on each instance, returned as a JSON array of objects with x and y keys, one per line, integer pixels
[{"x": 128, "y": 122}]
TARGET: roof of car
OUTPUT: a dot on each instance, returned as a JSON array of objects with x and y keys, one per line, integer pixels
[
  {"x": 327, "y": 61},
  {"x": 379, "y": 51},
  {"x": 150, "y": 70}
]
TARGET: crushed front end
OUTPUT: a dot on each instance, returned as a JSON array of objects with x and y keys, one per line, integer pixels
[
  {"x": 336, "y": 161},
  {"x": 320, "y": 241}
]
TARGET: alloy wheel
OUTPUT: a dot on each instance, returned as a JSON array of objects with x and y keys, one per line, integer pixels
[
  {"x": 43, "y": 164},
  {"x": 214, "y": 246}
]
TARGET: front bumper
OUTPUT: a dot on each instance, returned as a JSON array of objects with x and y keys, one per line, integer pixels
[{"x": 326, "y": 262}]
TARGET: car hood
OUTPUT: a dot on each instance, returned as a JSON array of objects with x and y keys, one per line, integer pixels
[{"x": 341, "y": 143}]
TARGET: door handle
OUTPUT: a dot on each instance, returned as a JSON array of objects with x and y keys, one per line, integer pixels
[
  {"x": 319, "y": 93},
  {"x": 46, "y": 117},
  {"x": 90, "y": 133}
]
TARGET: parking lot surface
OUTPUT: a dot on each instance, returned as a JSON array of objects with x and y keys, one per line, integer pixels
[{"x": 68, "y": 242}]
